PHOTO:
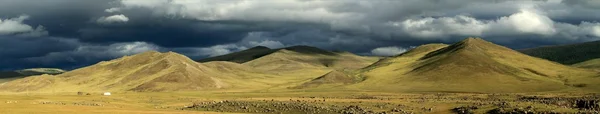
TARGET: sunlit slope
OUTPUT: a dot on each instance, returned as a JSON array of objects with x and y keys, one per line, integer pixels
[
  {"x": 294, "y": 58},
  {"x": 472, "y": 65},
  {"x": 304, "y": 57},
  {"x": 296, "y": 65},
  {"x": 149, "y": 71},
  {"x": 591, "y": 64},
  {"x": 155, "y": 71}
]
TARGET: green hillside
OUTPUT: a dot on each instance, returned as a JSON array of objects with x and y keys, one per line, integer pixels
[{"x": 567, "y": 54}]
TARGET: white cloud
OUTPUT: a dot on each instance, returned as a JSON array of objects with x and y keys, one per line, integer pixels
[
  {"x": 112, "y": 10},
  {"x": 527, "y": 21},
  {"x": 15, "y": 26},
  {"x": 131, "y": 48},
  {"x": 388, "y": 51},
  {"x": 596, "y": 31},
  {"x": 253, "y": 10},
  {"x": 438, "y": 27},
  {"x": 113, "y": 19}
]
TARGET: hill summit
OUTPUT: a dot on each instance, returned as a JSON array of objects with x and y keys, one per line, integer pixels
[{"x": 471, "y": 65}]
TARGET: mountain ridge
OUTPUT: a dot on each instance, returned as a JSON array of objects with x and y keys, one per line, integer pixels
[
  {"x": 566, "y": 54},
  {"x": 471, "y": 65}
]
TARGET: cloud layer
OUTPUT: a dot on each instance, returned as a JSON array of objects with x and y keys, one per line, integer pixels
[{"x": 72, "y": 33}]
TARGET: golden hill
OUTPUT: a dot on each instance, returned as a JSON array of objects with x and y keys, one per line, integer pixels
[
  {"x": 149, "y": 71},
  {"x": 155, "y": 71},
  {"x": 472, "y": 65},
  {"x": 303, "y": 57},
  {"x": 296, "y": 65},
  {"x": 294, "y": 58},
  {"x": 590, "y": 64}
]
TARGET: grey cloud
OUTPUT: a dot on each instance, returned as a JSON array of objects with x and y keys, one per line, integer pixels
[
  {"x": 15, "y": 26},
  {"x": 584, "y": 3},
  {"x": 202, "y": 28}
]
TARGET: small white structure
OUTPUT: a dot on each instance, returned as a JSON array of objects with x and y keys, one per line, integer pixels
[{"x": 106, "y": 94}]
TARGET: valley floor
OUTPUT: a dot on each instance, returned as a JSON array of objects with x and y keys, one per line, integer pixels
[{"x": 296, "y": 102}]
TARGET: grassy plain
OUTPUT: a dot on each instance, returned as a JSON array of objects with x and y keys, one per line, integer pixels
[{"x": 244, "y": 102}]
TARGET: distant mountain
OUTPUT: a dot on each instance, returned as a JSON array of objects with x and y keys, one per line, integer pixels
[
  {"x": 472, "y": 65},
  {"x": 242, "y": 56},
  {"x": 294, "y": 58},
  {"x": 567, "y": 54},
  {"x": 12, "y": 75}
]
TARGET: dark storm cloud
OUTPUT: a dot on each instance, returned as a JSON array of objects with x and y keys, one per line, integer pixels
[
  {"x": 584, "y": 3},
  {"x": 83, "y": 32},
  {"x": 60, "y": 17},
  {"x": 13, "y": 50}
]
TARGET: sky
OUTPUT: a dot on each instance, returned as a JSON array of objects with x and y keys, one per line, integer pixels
[{"x": 70, "y": 34}]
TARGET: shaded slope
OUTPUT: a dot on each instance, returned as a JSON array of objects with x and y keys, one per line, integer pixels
[
  {"x": 260, "y": 51},
  {"x": 567, "y": 54},
  {"x": 242, "y": 56},
  {"x": 294, "y": 58},
  {"x": 472, "y": 65}
]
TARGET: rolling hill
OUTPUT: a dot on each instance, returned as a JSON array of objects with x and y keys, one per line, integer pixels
[
  {"x": 294, "y": 58},
  {"x": 155, "y": 71},
  {"x": 472, "y": 65},
  {"x": 149, "y": 71},
  {"x": 567, "y": 54},
  {"x": 590, "y": 64}
]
